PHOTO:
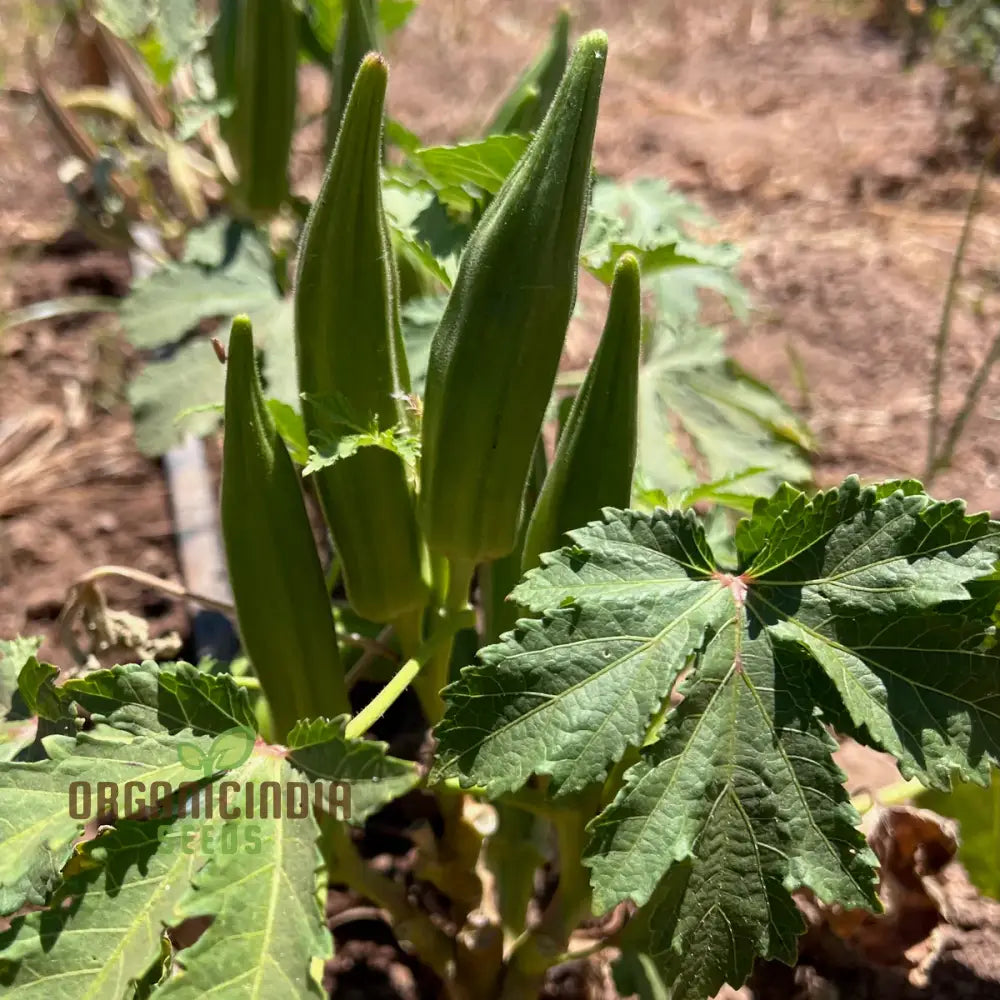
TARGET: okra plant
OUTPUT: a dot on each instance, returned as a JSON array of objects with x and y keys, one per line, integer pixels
[
  {"x": 230, "y": 222},
  {"x": 649, "y": 715}
]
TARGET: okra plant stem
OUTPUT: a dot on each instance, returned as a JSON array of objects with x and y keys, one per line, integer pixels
[
  {"x": 344, "y": 864},
  {"x": 459, "y": 573},
  {"x": 540, "y": 947},
  {"x": 410, "y": 631},
  {"x": 381, "y": 703}
]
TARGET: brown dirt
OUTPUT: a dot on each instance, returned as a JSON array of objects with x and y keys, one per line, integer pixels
[
  {"x": 74, "y": 492},
  {"x": 797, "y": 130},
  {"x": 815, "y": 153}
]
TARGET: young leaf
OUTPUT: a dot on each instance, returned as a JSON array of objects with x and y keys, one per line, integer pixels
[
  {"x": 347, "y": 432},
  {"x": 868, "y": 608},
  {"x": 320, "y": 749},
  {"x": 461, "y": 174},
  {"x": 34, "y": 684},
  {"x": 291, "y": 428}
]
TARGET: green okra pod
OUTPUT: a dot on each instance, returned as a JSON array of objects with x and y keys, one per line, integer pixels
[
  {"x": 349, "y": 348},
  {"x": 282, "y": 605},
  {"x": 495, "y": 353},
  {"x": 595, "y": 459},
  {"x": 358, "y": 36},
  {"x": 255, "y": 52},
  {"x": 531, "y": 95}
]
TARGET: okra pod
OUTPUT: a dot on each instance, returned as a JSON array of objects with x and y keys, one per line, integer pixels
[
  {"x": 495, "y": 353},
  {"x": 358, "y": 36},
  {"x": 530, "y": 97},
  {"x": 595, "y": 459},
  {"x": 256, "y": 51},
  {"x": 349, "y": 347},
  {"x": 282, "y": 606}
]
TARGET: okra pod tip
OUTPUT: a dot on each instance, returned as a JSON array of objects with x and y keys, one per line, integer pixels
[
  {"x": 593, "y": 44},
  {"x": 240, "y": 351},
  {"x": 374, "y": 63},
  {"x": 627, "y": 272}
]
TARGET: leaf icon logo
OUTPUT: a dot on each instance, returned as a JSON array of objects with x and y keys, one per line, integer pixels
[
  {"x": 191, "y": 757},
  {"x": 229, "y": 750}
]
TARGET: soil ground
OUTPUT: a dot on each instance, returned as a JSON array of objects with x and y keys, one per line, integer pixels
[{"x": 792, "y": 123}]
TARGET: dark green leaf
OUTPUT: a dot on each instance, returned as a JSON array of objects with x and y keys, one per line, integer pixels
[
  {"x": 35, "y": 685},
  {"x": 320, "y": 749},
  {"x": 868, "y": 608},
  {"x": 14, "y": 654},
  {"x": 162, "y": 698}
]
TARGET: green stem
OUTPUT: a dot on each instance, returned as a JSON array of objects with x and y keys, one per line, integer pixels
[
  {"x": 410, "y": 924},
  {"x": 969, "y": 404},
  {"x": 541, "y": 947},
  {"x": 381, "y": 703},
  {"x": 891, "y": 795},
  {"x": 409, "y": 629},
  {"x": 460, "y": 574},
  {"x": 944, "y": 326}
]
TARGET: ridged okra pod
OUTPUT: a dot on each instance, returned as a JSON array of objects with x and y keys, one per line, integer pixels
[
  {"x": 358, "y": 36},
  {"x": 595, "y": 459},
  {"x": 349, "y": 346},
  {"x": 222, "y": 49},
  {"x": 255, "y": 51},
  {"x": 495, "y": 353},
  {"x": 530, "y": 97},
  {"x": 282, "y": 605}
]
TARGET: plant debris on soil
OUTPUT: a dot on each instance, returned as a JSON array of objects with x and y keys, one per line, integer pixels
[{"x": 836, "y": 171}]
